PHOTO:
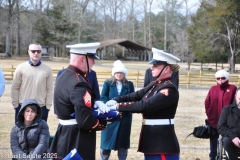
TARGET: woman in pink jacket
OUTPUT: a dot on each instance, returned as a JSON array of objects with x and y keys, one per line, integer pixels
[{"x": 219, "y": 96}]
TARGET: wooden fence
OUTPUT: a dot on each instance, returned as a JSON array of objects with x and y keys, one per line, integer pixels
[{"x": 137, "y": 77}]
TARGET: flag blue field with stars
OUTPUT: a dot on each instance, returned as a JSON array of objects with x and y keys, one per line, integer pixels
[{"x": 111, "y": 115}]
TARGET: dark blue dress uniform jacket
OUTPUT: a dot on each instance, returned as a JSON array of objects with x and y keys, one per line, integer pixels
[
  {"x": 158, "y": 100},
  {"x": 70, "y": 95}
]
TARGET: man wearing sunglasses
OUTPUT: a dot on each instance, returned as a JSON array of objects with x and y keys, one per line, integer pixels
[
  {"x": 33, "y": 79},
  {"x": 220, "y": 95}
]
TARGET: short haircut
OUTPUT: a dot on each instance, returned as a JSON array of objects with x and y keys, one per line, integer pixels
[
  {"x": 34, "y": 44},
  {"x": 33, "y": 107}
]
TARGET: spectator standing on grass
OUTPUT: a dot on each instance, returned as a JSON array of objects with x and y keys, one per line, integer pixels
[
  {"x": 149, "y": 78},
  {"x": 117, "y": 134},
  {"x": 158, "y": 103},
  {"x": 29, "y": 137},
  {"x": 74, "y": 101},
  {"x": 219, "y": 95},
  {"x": 33, "y": 79},
  {"x": 2, "y": 82},
  {"x": 228, "y": 126}
]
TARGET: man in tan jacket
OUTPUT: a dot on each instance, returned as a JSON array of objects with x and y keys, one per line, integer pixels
[{"x": 33, "y": 80}]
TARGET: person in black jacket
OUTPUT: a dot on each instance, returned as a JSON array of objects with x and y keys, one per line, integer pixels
[
  {"x": 158, "y": 103},
  {"x": 228, "y": 127},
  {"x": 30, "y": 135}
]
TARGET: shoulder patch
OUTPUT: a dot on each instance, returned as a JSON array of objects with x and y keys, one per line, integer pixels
[
  {"x": 164, "y": 91},
  {"x": 87, "y": 99}
]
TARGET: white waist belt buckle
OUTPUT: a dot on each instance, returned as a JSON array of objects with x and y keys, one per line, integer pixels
[
  {"x": 158, "y": 121},
  {"x": 68, "y": 122}
]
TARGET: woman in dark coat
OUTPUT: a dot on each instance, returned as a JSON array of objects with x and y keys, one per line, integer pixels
[
  {"x": 30, "y": 135},
  {"x": 117, "y": 134}
]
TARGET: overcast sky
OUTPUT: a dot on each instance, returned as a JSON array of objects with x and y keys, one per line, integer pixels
[{"x": 192, "y": 4}]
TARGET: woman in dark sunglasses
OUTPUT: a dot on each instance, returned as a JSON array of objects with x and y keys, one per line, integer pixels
[{"x": 219, "y": 96}]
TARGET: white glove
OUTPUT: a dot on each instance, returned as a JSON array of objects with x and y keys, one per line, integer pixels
[
  {"x": 111, "y": 103},
  {"x": 102, "y": 107},
  {"x": 114, "y": 107}
]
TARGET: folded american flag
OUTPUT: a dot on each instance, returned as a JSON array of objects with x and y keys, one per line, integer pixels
[
  {"x": 106, "y": 116},
  {"x": 112, "y": 114}
]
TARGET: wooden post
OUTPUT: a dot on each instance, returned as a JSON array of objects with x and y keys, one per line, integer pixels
[
  {"x": 188, "y": 80},
  {"x": 200, "y": 77},
  {"x": 238, "y": 81},
  {"x": 137, "y": 78},
  {"x": 12, "y": 72}
]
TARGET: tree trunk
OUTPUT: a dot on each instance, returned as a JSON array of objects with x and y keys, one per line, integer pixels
[
  {"x": 17, "y": 29},
  {"x": 150, "y": 32},
  {"x": 8, "y": 39},
  {"x": 165, "y": 29},
  {"x": 144, "y": 24},
  {"x": 81, "y": 19}
]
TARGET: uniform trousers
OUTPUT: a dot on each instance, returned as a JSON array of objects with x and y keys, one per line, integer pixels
[
  {"x": 122, "y": 154},
  {"x": 161, "y": 157},
  {"x": 44, "y": 112},
  {"x": 230, "y": 148}
]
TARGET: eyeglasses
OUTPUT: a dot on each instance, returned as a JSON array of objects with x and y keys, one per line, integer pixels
[
  {"x": 34, "y": 51},
  {"x": 221, "y": 78},
  {"x": 119, "y": 73}
]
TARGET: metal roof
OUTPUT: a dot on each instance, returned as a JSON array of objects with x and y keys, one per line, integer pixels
[{"x": 123, "y": 42}]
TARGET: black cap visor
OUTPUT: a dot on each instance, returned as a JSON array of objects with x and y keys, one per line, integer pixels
[
  {"x": 91, "y": 55},
  {"x": 153, "y": 61}
]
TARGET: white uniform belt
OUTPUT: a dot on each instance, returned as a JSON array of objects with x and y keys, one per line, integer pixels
[
  {"x": 68, "y": 122},
  {"x": 158, "y": 121}
]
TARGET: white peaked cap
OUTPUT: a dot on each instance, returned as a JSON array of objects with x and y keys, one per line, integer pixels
[
  {"x": 118, "y": 66},
  {"x": 88, "y": 49},
  {"x": 160, "y": 57}
]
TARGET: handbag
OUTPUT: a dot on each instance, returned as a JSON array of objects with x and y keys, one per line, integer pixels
[{"x": 204, "y": 132}]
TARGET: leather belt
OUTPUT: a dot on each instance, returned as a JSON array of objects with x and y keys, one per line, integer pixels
[
  {"x": 158, "y": 121},
  {"x": 68, "y": 122}
]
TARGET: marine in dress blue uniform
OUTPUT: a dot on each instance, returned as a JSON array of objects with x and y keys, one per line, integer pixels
[
  {"x": 74, "y": 95},
  {"x": 158, "y": 103}
]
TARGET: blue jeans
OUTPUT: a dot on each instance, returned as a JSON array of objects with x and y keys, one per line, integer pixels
[
  {"x": 213, "y": 145},
  {"x": 159, "y": 157},
  {"x": 44, "y": 112}
]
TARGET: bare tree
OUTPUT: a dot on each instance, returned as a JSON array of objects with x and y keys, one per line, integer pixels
[
  {"x": 83, "y": 5},
  {"x": 144, "y": 24},
  {"x": 149, "y": 25},
  {"x": 17, "y": 29},
  {"x": 11, "y": 4}
]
